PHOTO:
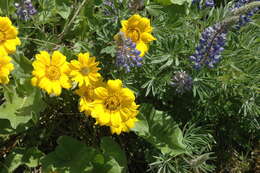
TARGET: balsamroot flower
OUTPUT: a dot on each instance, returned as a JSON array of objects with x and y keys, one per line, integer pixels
[
  {"x": 127, "y": 55},
  {"x": 5, "y": 68},
  {"x": 87, "y": 96},
  {"x": 138, "y": 29},
  {"x": 51, "y": 73},
  {"x": 85, "y": 70},
  {"x": 115, "y": 106},
  {"x": 8, "y": 36}
]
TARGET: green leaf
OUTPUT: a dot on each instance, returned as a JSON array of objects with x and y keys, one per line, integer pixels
[
  {"x": 70, "y": 156},
  {"x": 178, "y": 2},
  {"x": 19, "y": 110},
  {"x": 159, "y": 129},
  {"x": 5, "y": 127},
  {"x": 64, "y": 11},
  {"x": 22, "y": 156},
  {"x": 111, "y": 148}
]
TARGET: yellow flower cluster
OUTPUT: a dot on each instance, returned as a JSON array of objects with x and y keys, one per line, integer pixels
[
  {"x": 110, "y": 104},
  {"x": 138, "y": 29},
  {"x": 8, "y": 43}
]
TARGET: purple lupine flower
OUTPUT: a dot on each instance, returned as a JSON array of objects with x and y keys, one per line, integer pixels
[
  {"x": 245, "y": 18},
  {"x": 25, "y": 9},
  {"x": 211, "y": 45},
  {"x": 127, "y": 56},
  {"x": 182, "y": 82},
  {"x": 110, "y": 10},
  {"x": 209, "y": 3}
]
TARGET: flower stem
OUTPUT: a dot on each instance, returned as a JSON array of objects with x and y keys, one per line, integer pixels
[{"x": 67, "y": 25}]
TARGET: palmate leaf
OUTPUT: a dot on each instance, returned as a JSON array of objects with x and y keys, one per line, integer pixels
[
  {"x": 111, "y": 148},
  {"x": 72, "y": 156},
  {"x": 20, "y": 109},
  {"x": 21, "y": 156},
  {"x": 160, "y": 130}
]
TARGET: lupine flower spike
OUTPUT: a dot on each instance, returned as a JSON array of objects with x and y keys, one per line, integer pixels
[
  {"x": 127, "y": 55},
  {"x": 245, "y": 18},
  {"x": 182, "y": 82},
  {"x": 211, "y": 45},
  {"x": 25, "y": 9}
]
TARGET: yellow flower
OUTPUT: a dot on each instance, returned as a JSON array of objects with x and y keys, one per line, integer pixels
[
  {"x": 51, "y": 73},
  {"x": 87, "y": 96},
  {"x": 85, "y": 70},
  {"x": 138, "y": 29},
  {"x": 5, "y": 68},
  {"x": 114, "y": 106},
  {"x": 8, "y": 36}
]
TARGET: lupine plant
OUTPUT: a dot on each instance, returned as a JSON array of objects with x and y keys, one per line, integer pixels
[{"x": 129, "y": 86}]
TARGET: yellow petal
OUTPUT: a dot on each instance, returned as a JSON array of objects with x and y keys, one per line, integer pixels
[
  {"x": 5, "y": 23},
  {"x": 58, "y": 59},
  {"x": 116, "y": 130},
  {"x": 65, "y": 82},
  {"x": 134, "y": 20},
  {"x": 11, "y": 33},
  {"x": 43, "y": 57},
  {"x": 83, "y": 58},
  {"x": 131, "y": 122},
  {"x": 56, "y": 88},
  {"x": 101, "y": 92},
  {"x": 144, "y": 25},
  {"x": 114, "y": 85},
  {"x": 75, "y": 64},
  {"x": 116, "y": 119},
  {"x": 146, "y": 37},
  {"x": 124, "y": 24},
  {"x": 34, "y": 81},
  {"x": 104, "y": 118},
  {"x": 142, "y": 47},
  {"x": 128, "y": 94}
]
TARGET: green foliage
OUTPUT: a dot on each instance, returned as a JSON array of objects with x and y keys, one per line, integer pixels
[
  {"x": 187, "y": 132},
  {"x": 73, "y": 156},
  {"x": 169, "y": 2},
  {"x": 22, "y": 156},
  {"x": 158, "y": 128},
  {"x": 20, "y": 109}
]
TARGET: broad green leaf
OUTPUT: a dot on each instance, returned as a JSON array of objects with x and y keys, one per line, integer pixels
[
  {"x": 160, "y": 130},
  {"x": 19, "y": 110},
  {"x": 22, "y": 156},
  {"x": 70, "y": 156},
  {"x": 111, "y": 148}
]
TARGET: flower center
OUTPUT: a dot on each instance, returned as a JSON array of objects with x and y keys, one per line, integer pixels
[
  {"x": 112, "y": 103},
  {"x": 89, "y": 94},
  {"x": 85, "y": 71},
  {"x": 2, "y": 36},
  {"x": 53, "y": 73},
  {"x": 134, "y": 34}
]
